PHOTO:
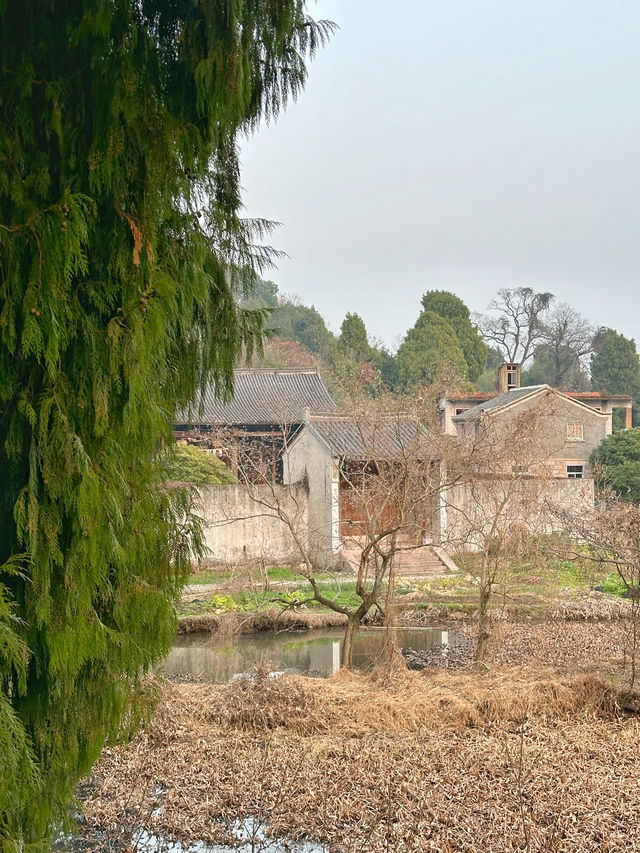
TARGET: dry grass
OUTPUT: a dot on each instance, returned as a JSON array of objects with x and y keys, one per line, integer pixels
[
  {"x": 571, "y": 645},
  {"x": 516, "y": 758},
  {"x": 355, "y": 705}
]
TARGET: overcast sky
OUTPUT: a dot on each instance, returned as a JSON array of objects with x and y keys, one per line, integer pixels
[{"x": 464, "y": 146}]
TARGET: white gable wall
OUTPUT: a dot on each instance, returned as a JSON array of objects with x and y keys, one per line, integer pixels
[{"x": 308, "y": 458}]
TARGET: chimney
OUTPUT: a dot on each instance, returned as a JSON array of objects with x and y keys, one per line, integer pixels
[{"x": 507, "y": 377}]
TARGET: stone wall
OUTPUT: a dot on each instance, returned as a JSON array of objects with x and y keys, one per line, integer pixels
[{"x": 241, "y": 524}]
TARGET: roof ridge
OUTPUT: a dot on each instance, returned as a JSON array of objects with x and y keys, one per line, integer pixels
[{"x": 275, "y": 370}]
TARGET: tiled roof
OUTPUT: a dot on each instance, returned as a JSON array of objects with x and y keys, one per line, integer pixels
[
  {"x": 597, "y": 395},
  {"x": 384, "y": 437},
  {"x": 501, "y": 400},
  {"x": 454, "y": 396},
  {"x": 262, "y": 396}
]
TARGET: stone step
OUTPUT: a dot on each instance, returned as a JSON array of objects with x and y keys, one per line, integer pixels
[{"x": 425, "y": 560}]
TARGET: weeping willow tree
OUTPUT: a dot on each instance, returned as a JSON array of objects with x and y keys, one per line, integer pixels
[{"x": 121, "y": 238}]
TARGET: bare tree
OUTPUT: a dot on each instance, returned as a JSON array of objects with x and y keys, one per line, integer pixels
[
  {"x": 498, "y": 504},
  {"x": 560, "y": 358},
  {"x": 518, "y": 323},
  {"x": 388, "y": 459},
  {"x": 609, "y": 536}
]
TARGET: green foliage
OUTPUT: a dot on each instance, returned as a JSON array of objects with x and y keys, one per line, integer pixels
[
  {"x": 615, "y": 366},
  {"x": 430, "y": 346},
  {"x": 385, "y": 363},
  {"x": 617, "y": 463},
  {"x": 224, "y": 604},
  {"x": 487, "y": 379},
  {"x": 264, "y": 294},
  {"x": 559, "y": 367},
  {"x": 353, "y": 341},
  {"x": 188, "y": 464},
  {"x": 292, "y": 322},
  {"x": 614, "y": 585},
  {"x": 495, "y": 358},
  {"x": 342, "y": 593},
  {"x": 453, "y": 309},
  {"x": 122, "y": 257}
]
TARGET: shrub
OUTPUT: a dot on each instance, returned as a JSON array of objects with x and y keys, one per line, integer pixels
[{"x": 188, "y": 464}]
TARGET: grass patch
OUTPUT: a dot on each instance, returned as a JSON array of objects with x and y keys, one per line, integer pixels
[
  {"x": 251, "y": 576},
  {"x": 210, "y": 576},
  {"x": 245, "y": 600},
  {"x": 613, "y": 584},
  {"x": 530, "y": 587}
]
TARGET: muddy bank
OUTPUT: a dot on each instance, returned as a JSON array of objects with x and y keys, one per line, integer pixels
[
  {"x": 585, "y": 607},
  {"x": 259, "y": 620}
]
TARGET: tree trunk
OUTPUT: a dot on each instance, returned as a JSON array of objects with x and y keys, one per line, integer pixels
[
  {"x": 353, "y": 623},
  {"x": 391, "y": 629},
  {"x": 483, "y": 624},
  {"x": 635, "y": 607}
]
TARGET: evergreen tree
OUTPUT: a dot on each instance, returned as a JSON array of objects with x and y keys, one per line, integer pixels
[
  {"x": 454, "y": 310},
  {"x": 353, "y": 341},
  {"x": 617, "y": 463},
  {"x": 291, "y": 322},
  {"x": 429, "y": 347},
  {"x": 558, "y": 366},
  {"x": 264, "y": 294},
  {"x": 615, "y": 366},
  {"x": 385, "y": 363},
  {"x": 487, "y": 379},
  {"x": 122, "y": 253}
]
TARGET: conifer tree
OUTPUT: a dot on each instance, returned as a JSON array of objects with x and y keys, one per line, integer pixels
[
  {"x": 292, "y": 321},
  {"x": 121, "y": 239},
  {"x": 353, "y": 341},
  {"x": 429, "y": 347},
  {"x": 453, "y": 309},
  {"x": 615, "y": 364}
]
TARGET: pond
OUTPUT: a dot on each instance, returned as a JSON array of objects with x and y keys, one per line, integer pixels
[{"x": 313, "y": 653}]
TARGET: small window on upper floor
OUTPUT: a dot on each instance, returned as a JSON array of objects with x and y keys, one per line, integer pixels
[
  {"x": 512, "y": 376},
  {"x": 460, "y": 411},
  {"x": 575, "y": 472},
  {"x": 575, "y": 432}
]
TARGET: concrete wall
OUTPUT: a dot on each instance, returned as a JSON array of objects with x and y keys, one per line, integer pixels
[
  {"x": 518, "y": 505},
  {"x": 239, "y": 528},
  {"x": 309, "y": 460}
]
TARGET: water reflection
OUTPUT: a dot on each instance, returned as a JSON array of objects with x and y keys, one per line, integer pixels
[
  {"x": 247, "y": 831},
  {"x": 314, "y": 653}
]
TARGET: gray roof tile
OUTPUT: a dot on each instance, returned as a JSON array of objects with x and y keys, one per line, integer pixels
[
  {"x": 385, "y": 437},
  {"x": 498, "y": 402},
  {"x": 262, "y": 396}
]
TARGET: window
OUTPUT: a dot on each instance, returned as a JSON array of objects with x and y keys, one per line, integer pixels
[
  {"x": 460, "y": 411},
  {"x": 574, "y": 432},
  {"x": 575, "y": 472},
  {"x": 512, "y": 376}
]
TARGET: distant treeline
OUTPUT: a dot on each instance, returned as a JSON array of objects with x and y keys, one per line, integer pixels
[{"x": 553, "y": 342}]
